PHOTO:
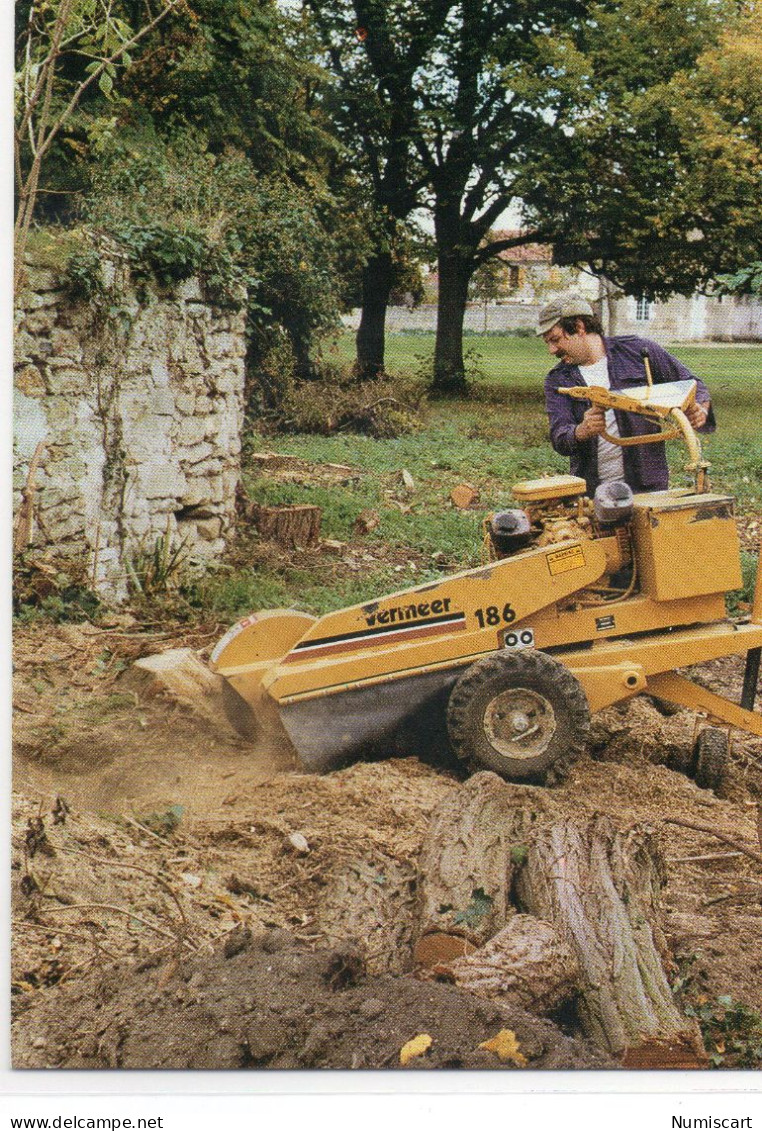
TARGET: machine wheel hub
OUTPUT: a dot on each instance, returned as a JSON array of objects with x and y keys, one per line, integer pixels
[{"x": 519, "y": 723}]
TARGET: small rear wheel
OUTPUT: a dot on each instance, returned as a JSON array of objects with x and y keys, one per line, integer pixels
[
  {"x": 522, "y": 714},
  {"x": 712, "y": 752}
]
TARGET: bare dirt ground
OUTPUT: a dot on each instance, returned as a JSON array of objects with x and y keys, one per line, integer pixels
[{"x": 177, "y": 895}]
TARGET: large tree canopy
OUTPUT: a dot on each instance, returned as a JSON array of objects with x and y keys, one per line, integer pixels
[
  {"x": 299, "y": 140},
  {"x": 205, "y": 138},
  {"x": 375, "y": 52},
  {"x": 658, "y": 184},
  {"x": 564, "y": 108}
]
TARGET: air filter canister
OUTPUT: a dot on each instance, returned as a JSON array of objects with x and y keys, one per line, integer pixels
[{"x": 510, "y": 531}]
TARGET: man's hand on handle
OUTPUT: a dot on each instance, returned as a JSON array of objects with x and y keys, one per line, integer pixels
[
  {"x": 593, "y": 423},
  {"x": 697, "y": 414}
]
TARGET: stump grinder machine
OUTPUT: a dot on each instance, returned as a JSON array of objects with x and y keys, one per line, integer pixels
[{"x": 583, "y": 603}]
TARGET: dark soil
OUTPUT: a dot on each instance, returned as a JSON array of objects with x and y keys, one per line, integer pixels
[{"x": 267, "y": 1002}]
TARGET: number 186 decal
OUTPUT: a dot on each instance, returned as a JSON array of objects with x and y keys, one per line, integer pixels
[
  {"x": 493, "y": 616},
  {"x": 519, "y": 638}
]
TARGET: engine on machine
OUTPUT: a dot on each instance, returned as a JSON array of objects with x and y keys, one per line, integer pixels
[{"x": 556, "y": 509}]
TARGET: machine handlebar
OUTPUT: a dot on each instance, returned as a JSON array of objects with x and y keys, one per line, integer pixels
[{"x": 665, "y": 405}]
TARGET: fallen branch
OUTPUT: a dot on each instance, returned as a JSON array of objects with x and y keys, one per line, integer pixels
[
  {"x": 704, "y": 858},
  {"x": 118, "y": 911},
  {"x": 724, "y": 837},
  {"x": 145, "y": 829},
  {"x": 722, "y": 898},
  {"x": 64, "y": 934}
]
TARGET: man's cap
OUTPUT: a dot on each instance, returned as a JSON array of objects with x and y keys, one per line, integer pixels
[{"x": 564, "y": 306}]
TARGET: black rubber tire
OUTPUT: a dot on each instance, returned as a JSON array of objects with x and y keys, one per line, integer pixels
[
  {"x": 540, "y": 676},
  {"x": 712, "y": 752}
]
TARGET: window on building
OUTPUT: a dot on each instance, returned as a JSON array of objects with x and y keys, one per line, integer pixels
[{"x": 642, "y": 310}]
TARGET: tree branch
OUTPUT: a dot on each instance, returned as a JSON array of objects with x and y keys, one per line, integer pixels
[
  {"x": 724, "y": 837},
  {"x": 75, "y": 99}
]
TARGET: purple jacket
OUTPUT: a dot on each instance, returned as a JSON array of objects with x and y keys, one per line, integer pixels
[{"x": 645, "y": 465}]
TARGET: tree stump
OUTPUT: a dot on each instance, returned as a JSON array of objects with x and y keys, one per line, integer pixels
[
  {"x": 465, "y": 869},
  {"x": 494, "y": 849},
  {"x": 600, "y": 888},
  {"x": 181, "y": 674},
  {"x": 294, "y": 526}
]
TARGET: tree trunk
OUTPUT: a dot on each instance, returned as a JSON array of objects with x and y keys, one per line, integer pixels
[
  {"x": 305, "y": 368},
  {"x": 465, "y": 869},
  {"x": 609, "y": 298},
  {"x": 526, "y": 964},
  {"x": 376, "y": 288},
  {"x": 600, "y": 888},
  {"x": 493, "y": 849},
  {"x": 455, "y": 271}
]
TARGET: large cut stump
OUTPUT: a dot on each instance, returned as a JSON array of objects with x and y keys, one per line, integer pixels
[
  {"x": 465, "y": 869},
  {"x": 494, "y": 849},
  {"x": 600, "y": 887},
  {"x": 181, "y": 674},
  {"x": 295, "y": 527}
]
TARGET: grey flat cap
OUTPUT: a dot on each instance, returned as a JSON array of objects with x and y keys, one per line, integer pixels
[{"x": 564, "y": 306}]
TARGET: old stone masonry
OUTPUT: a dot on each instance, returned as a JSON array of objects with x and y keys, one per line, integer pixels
[{"x": 128, "y": 417}]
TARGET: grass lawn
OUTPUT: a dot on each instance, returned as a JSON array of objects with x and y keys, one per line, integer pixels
[
  {"x": 508, "y": 406},
  {"x": 525, "y": 361},
  {"x": 490, "y": 440},
  {"x": 510, "y": 372}
]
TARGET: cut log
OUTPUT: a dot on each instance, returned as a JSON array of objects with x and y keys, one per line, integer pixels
[
  {"x": 494, "y": 849},
  {"x": 465, "y": 495},
  {"x": 466, "y": 866},
  {"x": 600, "y": 888},
  {"x": 526, "y": 964},
  {"x": 296, "y": 526}
]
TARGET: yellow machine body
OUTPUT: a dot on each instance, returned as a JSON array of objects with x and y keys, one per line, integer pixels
[
  {"x": 686, "y": 546},
  {"x": 347, "y": 683}
]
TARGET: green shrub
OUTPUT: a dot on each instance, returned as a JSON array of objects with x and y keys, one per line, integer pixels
[
  {"x": 83, "y": 275},
  {"x": 157, "y": 569},
  {"x": 48, "y": 588},
  {"x": 732, "y": 1032},
  {"x": 180, "y": 209}
]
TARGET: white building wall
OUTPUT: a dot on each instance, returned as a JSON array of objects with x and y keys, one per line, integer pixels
[{"x": 692, "y": 318}]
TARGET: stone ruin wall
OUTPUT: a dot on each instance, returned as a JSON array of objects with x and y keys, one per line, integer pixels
[{"x": 140, "y": 411}]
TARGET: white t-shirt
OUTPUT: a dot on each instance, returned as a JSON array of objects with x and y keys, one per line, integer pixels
[{"x": 610, "y": 461}]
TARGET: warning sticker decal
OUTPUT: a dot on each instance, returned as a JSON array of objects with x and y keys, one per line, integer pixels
[{"x": 561, "y": 561}]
